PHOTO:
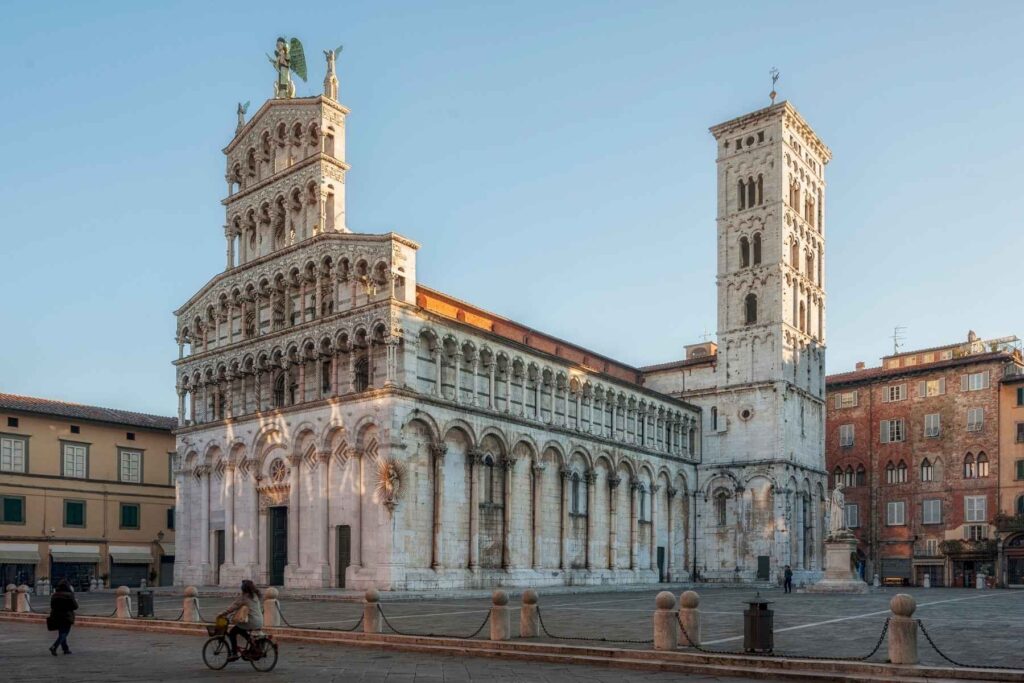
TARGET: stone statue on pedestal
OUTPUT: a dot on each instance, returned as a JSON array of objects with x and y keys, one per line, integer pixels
[{"x": 837, "y": 513}]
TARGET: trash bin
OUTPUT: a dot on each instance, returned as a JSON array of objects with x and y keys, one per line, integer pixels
[
  {"x": 145, "y": 603},
  {"x": 758, "y": 627}
]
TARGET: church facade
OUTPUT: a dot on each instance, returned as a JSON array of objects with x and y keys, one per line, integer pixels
[{"x": 344, "y": 425}]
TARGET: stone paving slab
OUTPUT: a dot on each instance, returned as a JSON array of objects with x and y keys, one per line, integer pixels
[
  {"x": 111, "y": 655},
  {"x": 977, "y": 627}
]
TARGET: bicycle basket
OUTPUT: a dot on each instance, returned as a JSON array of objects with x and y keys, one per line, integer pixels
[{"x": 219, "y": 628}]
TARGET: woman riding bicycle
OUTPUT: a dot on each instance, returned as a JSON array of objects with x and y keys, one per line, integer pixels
[{"x": 246, "y": 614}]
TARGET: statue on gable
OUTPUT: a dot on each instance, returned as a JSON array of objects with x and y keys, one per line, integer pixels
[
  {"x": 331, "y": 79},
  {"x": 288, "y": 57}
]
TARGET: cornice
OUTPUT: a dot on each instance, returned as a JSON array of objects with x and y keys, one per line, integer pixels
[{"x": 271, "y": 103}]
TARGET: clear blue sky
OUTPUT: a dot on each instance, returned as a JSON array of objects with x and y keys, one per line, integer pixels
[{"x": 552, "y": 159}]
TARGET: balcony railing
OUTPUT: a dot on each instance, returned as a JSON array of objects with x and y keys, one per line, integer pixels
[{"x": 1006, "y": 523}]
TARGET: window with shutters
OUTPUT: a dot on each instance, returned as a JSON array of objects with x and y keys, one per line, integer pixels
[
  {"x": 931, "y": 511},
  {"x": 846, "y": 399},
  {"x": 75, "y": 461},
  {"x": 12, "y": 453},
  {"x": 852, "y": 516},
  {"x": 129, "y": 515},
  {"x": 896, "y": 513},
  {"x": 926, "y": 470},
  {"x": 891, "y": 431},
  {"x": 1020, "y": 432},
  {"x": 1020, "y": 396},
  {"x": 932, "y": 425},
  {"x": 846, "y": 435},
  {"x": 130, "y": 469},
  {"x": 74, "y": 513},
  {"x": 894, "y": 392},
  {"x": 1020, "y": 470},
  {"x": 975, "y": 419},
  {"x": 976, "y": 532},
  {"x": 12, "y": 509},
  {"x": 974, "y": 508},
  {"x": 931, "y": 547},
  {"x": 932, "y": 387},
  {"x": 974, "y": 381}
]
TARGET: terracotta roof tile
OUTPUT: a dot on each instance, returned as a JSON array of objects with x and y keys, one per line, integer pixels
[
  {"x": 44, "y": 406},
  {"x": 856, "y": 376}
]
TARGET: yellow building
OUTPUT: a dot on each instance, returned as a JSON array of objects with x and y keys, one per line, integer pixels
[
  {"x": 1010, "y": 521},
  {"x": 85, "y": 493}
]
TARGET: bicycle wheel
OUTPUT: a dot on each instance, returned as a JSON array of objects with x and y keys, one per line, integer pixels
[
  {"x": 269, "y": 659},
  {"x": 215, "y": 652}
]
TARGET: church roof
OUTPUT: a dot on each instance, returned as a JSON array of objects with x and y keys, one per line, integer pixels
[{"x": 77, "y": 411}]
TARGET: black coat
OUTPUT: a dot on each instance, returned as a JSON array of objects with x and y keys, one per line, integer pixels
[{"x": 62, "y": 611}]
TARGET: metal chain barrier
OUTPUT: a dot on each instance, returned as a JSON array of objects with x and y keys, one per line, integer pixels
[
  {"x": 955, "y": 662},
  {"x": 434, "y": 635},
  {"x": 318, "y": 628},
  {"x": 744, "y": 653},
  {"x": 548, "y": 633}
]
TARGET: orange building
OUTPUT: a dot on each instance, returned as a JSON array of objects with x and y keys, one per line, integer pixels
[{"x": 1010, "y": 520}]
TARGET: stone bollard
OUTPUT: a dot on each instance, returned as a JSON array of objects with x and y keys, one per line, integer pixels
[
  {"x": 666, "y": 623},
  {"x": 21, "y": 600},
  {"x": 927, "y": 583},
  {"x": 371, "y": 611},
  {"x": 979, "y": 582},
  {"x": 124, "y": 603},
  {"x": 529, "y": 615},
  {"x": 876, "y": 583},
  {"x": 271, "y": 608},
  {"x": 501, "y": 623},
  {"x": 190, "y": 606},
  {"x": 9, "y": 594},
  {"x": 902, "y": 630},
  {"x": 689, "y": 619},
  {"x": 93, "y": 585}
]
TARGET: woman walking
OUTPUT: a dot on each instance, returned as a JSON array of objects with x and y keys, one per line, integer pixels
[
  {"x": 62, "y": 616},
  {"x": 246, "y": 614}
]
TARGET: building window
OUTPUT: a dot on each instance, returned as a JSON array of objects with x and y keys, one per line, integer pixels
[
  {"x": 12, "y": 453},
  {"x": 130, "y": 436},
  {"x": 12, "y": 509},
  {"x": 862, "y": 476},
  {"x": 974, "y": 508},
  {"x": 1020, "y": 432},
  {"x": 714, "y": 419},
  {"x": 1020, "y": 505},
  {"x": 278, "y": 397},
  {"x": 894, "y": 392},
  {"x": 890, "y": 473},
  {"x": 846, "y": 399},
  {"x": 757, "y": 249},
  {"x": 130, "y": 467},
  {"x": 848, "y": 477},
  {"x": 975, "y": 381},
  {"x": 129, "y": 515},
  {"x": 932, "y": 387},
  {"x": 982, "y": 464},
  {"x": 837, "y": 477},
  {"x": 896, "y": 513},
  {"x": 362, "y": 378},
  {"x": 720, "y": 500},
  {"x": 891, "y": 431},
  {"x": 74, "y": 513},
  {"x": 976, "y": 532},
  {"x": 75, "y": 461},
  {"x": 931, "y": 511},
  {"x": 926, "y": 470},
  {"x": 75, "y": 429},
  {"x": 744, "y": 252},
  {"x": 975, "y": 419},
  {"x": 932, "y": 425},
  {"x": 170, "y": 519},
  {"x": 750, "y": 308},
  {"x": 901, "y": 473},
  {"x": 1020, "y": 396},
  {"x": 845, "y": 435},
  {"x": 969, "y": 467},
  {"x": 12, "y": 422},
  {"x": 931, "y": 547},
  {"x": 852, "y": 516},
  {"x": 1020, "y": 469}
]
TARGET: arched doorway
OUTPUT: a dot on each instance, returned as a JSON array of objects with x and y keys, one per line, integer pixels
[{"x": 1013, "y": 550}]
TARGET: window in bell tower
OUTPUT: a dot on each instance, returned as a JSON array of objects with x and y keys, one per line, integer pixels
[
  {"x": 794, "y": 256},
  {"x": 751, "y": 192},
  {"x": 757, "y": 248},
  {"x": 744, "y": 252},
  {"x": 750, "y": 309},
  {"x": 760, "y": 189},
  {"x": 742, "y": 195}
]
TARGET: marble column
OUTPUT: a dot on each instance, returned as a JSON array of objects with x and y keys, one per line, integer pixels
[
  {"x": 670, "y": 494},
  {"x": 634, "y": 550},
  {"x": 182, "y": 525},
  {"x": 324, "y": 473},
  {"x": 509, "y": 465},
  {"x": 294, "y": 502},
  {"x": 181, "y": 407},
  {"x": 229, "y": 514},
  {"x": 537, "y": 470},
  {"x": 319, "y": 391},
  {"x": 590, "y": 478},
  {"x": 438, "y": 451},
  {"x": 204, "y": 519},
  {"x": 457, "y": 362},
  {"x": 351, "y": 369},
  {"x": 654, "y": 527},
  {"x": 438, "y": 368},
  {"x": 473, "y": 460},
  {"x": 613, "y": 553},
  {"x": 563, "y": 561},
  {"x": 490, "y": 384}
]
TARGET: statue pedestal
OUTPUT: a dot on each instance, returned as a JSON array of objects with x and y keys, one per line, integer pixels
[{"x": 839, "y": 576}]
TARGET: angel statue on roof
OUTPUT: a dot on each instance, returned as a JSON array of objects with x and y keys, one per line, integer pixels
[{"x": 288, "y": 57}]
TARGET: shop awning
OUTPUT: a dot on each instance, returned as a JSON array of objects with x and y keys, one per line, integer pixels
[
  {"x": 75, "y": 553},
  {"x": 168, "y": 549},
  {"x": 19, "y": 553},
  {"x": 130, "y": 554}
]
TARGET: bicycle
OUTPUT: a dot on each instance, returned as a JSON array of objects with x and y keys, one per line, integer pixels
[{"x": 261, "y": 652}]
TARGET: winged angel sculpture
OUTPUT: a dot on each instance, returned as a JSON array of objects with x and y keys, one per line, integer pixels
[{"x": 288, "y": 57}]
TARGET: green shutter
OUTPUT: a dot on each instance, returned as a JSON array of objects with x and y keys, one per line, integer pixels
[
  {"x": 130, "y": 516},
  {"x": 74, "y": 513},
  {"x": 14, "y": 511},
  {"x": 1020, "y": 469}
]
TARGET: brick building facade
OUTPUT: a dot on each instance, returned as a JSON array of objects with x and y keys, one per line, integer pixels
[{"x": 915, "y": 443}]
